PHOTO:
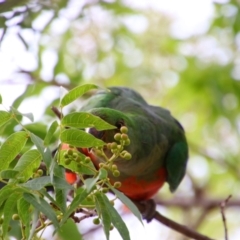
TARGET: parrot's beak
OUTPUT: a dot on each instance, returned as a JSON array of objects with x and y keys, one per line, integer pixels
[{"x": 96, "y": 133}]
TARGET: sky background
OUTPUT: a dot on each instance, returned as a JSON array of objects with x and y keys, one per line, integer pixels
[{"x": 188, "y": 19}]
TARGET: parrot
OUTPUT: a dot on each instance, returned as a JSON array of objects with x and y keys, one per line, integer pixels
[{"x": 158, "y": 144}]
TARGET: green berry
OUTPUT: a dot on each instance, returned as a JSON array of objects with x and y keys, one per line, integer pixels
[
  {"x": 40, "y": 172},
  {"x": 127, "y": 156},
  {"x": 109, "y": 146},
  {"x": 87, "y": 160},
  {"x": 116, "y": 173},
  {"x": 101, "y": 165},
  {"x": 75, "y": 155},
  {"x": 36, "y": 175},
  {"x": 105, "y": 166},
  {"x": 114, "y": 151},
  {"x": 15, "y": 217},
  {"x": 111, "y": 227},
  {"x": 78, "y": 159},
  {"x": 127, "y": 142},
  {"x": 117, "y": 136},
  {"x": 98, "y": 152},
  {"x": 117, "y": 184},
  {"x": 65, "y": 155},
  {"x": 124, "y": 129},
  {"x": 104, "y": 190},
  {"x": 70, "y": 152},
  {"x": 96, "y": 221},
  {"x": 67, "y": 161},
  {"x": 113, "y": 145},
  {"x": 119, "y": 147},
  {"x": 124, "y": 137},
  {"x": 114, "y": 167}
]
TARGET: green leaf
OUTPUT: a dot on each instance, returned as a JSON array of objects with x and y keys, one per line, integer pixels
[
  {"x": 85, "y": 120},
  {"x": 61, "y": 183},
  {"x": 69, "y": 227},
  {"x": 90, "y": 183},
  {"x": 37, "y": 128},
  {"x": 52, "y": 129},
  {"x": 5, "y": 192},
  {"x": 103, "y": 173},
  {"x": 4, "y": 117},
  {"x": 23, "y": 208},
  {"x": 41, "y": 205},
  {"x": 80, "y": 196},
  {"x": 8, "y": 211},
  {"x": 0, "y": 100},
  {"x": 28, "y": 162},
  {"x": 37, "y": 183},
  {"x": 9, "y": 173},
  {"x": 11, "y": 148},
  {"x": 41, "y": 182},
  {"x": 34, "y": 223},
  {"x": 116, "y": 219},
  {"x": 47, "y": 195},
  {"x": 61, "y": 199},
  {"x": 103, "y": 211},
  {"x": 45, "y": 152},
  {"x": 80, "y": 138},
  {"x": 126, "y": 201},
  {"x": 76, "y": 93},
  {"x": 27, "y": 115}
]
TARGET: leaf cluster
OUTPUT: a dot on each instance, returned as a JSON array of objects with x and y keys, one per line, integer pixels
[{"x": 29, "y": 168}]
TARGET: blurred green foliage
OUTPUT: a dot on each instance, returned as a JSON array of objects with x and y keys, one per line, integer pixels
[{"x": 114, "y": 43}]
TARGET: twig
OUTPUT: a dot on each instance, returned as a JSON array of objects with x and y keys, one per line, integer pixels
[
  {"x": 222, "y": 206},
  {"x": 193, "y": 203},
  {"x": 57, "y": 112},
  {"x": 174, "y": 225}
]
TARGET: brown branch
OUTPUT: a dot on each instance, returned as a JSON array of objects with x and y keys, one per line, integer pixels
[
  {"x": 222, "y": 206},
  {"x": 57, "y": 112},
  {"x": 193, "y": 202},
  {"x": 173, "y": 225}
]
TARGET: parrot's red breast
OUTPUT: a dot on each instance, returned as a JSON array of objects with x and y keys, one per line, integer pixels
[
  {"x": 134, "y": 188},
  {"x": 137, "y": 189}
]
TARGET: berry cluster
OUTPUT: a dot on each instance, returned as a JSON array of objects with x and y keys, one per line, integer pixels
[
  {"x": 37, "y": 173},
  {"x": 117, "y": 150},
  {"x": 73, "y": 155}
]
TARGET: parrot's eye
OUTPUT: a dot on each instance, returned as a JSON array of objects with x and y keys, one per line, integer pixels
[{"x": 119, "y": 124}]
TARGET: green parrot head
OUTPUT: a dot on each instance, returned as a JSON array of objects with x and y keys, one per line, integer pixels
[{"x": 115, "y": 118}]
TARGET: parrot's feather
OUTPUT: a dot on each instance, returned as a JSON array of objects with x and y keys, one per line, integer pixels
[{"x": 158, "y": 145}]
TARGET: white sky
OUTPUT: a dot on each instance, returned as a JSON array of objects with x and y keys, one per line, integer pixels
[{"x": 190, "y": 17}]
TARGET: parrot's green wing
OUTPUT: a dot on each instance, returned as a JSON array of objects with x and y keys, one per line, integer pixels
[{"x": 176, "y": 162}]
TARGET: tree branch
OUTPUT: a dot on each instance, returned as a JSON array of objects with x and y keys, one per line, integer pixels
[
  {"x": 193, "y": 202},
  {"x": 222, "y": 206},
  {"x": 173, "y": 225}
]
